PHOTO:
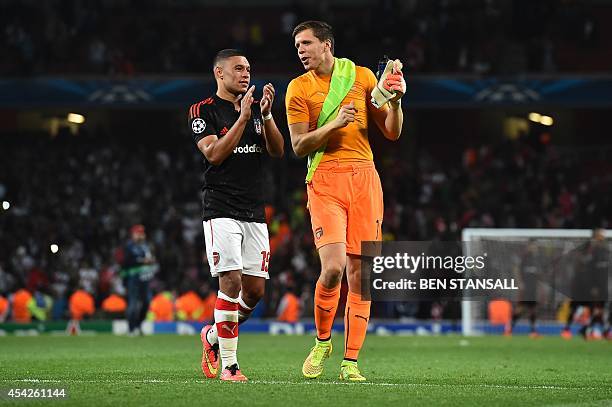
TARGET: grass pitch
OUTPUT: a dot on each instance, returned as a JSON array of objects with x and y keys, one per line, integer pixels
[{"x": 165, "y": 370}]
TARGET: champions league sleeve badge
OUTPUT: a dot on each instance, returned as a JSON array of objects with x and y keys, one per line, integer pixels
[
  {"x": 257, "y": 126},
  {"x": 198, "y": 125}
]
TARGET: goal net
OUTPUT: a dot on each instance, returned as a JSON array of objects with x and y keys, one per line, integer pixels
[{"x": 553, "y": 266}]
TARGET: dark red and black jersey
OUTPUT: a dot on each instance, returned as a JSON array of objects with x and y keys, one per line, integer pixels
[{"x": 233, "y": 189}]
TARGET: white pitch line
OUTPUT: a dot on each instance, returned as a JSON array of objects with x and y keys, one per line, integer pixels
[
  {"x": 315, "y": 383},
  {"x": 467, "y": 385}
]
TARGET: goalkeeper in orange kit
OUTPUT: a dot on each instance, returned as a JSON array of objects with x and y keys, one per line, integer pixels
[{"x": 328, "y": 112}]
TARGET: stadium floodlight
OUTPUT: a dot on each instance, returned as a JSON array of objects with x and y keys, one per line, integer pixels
[
  {"x": 535, "y": 117},
  {"x": 506, "y": 244},
  {"x": 546, "y": 120},
  {"x": 6, "y": 205},
  {"x": 76, "y": 118},
  {"x": 54, "y": 248}
]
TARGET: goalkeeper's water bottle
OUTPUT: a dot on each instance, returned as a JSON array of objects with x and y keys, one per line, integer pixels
[{"x": 381, "y": 66}]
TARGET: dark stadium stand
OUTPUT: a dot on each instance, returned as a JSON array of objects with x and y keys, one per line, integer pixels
[
  {"x": 473, "y": 36},
  {"x": 84, "y": 192}
]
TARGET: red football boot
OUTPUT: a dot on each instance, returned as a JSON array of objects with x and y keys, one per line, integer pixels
[
  {"x": 232, "y": 374},
  {"x": 210, "y": 354}
]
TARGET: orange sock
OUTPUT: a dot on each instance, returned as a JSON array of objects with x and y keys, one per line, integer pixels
[
  {"x": 356, "y": 317},
  {"x": 326, "y": 304}
]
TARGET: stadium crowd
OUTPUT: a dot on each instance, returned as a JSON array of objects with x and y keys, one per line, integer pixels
[
  {"x": 117, "y": 37},
  {"x": 84, "y": 193},
  {"x": 69, "y": 202}
]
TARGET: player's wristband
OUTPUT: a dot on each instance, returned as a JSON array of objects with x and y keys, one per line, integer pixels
[{"x": 268, "y": 116}]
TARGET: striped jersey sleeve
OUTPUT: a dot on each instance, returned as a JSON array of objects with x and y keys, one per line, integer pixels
[{"x": 201, "y": 119}]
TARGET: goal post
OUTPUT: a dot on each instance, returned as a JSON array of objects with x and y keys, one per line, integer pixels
[{"x": 558, "y": 241}]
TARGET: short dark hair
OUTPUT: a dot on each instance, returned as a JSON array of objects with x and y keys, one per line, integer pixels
[
  {"x": 320, "y": 29},
  {"x": 227, "y": 53}
]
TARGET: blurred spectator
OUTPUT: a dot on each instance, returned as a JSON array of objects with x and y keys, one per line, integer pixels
[
  {"x": 20, "y": 306},
  {"x": 114, "y": 306},
  {"x": 36, "y": 279},
  {"x": 162, "y": 307},
  {"x": 109, "y": 281},
  {"x": 81, "y": 305},
  {"x": 289, "y": 309},
  {"x": 24, "y": 307},
  {"x": 59, "y": 290},
  {"x": 137, "y": 270},
  {"x": 88, "y": 277},
  {"x": 189, "y": 307},
  {"x": 7, "y": 281},
  {"x": 21, "y": 263},
  {"x": 208, "y": 304},
  {"x": 43, "y": 304},
  {"x": 4, "y": 308}
]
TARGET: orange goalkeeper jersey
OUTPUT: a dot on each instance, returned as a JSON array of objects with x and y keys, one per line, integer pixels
[{"x": 304, "y": 100}]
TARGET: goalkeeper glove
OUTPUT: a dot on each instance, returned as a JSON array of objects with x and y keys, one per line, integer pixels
[{"x": 390, "y": 87}]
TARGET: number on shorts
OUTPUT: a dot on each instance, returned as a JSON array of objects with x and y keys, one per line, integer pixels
[{"x": 265, "y": 261}]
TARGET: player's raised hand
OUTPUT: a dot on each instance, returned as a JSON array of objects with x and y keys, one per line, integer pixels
[
  {"x": 267, "y": 99},
  {"x": 395, "y": 81},
  {"x": 346, "y": 115},
  {"x": 246, "y": 101}
]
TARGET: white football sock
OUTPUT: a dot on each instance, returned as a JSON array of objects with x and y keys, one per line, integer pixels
[
  {"x": 244, "y": 311},
  {"x": 211, "y": 335}
]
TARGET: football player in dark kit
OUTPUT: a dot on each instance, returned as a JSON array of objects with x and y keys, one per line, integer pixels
[
  {"x": 590, "y": 285},
  {"x": 137, "y": 269},
  {"x": 234, "y": 133},
  {"x": 530, "y": 272}
]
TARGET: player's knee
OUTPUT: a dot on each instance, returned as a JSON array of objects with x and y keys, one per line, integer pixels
[
  {"x": 230, "y": 283},
  {"x": 252, "y": 295},
  {"x": 331, "y": 274}
]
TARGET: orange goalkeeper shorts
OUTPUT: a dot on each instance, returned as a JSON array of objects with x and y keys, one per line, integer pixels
[{"x": 346, "y": 204}]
